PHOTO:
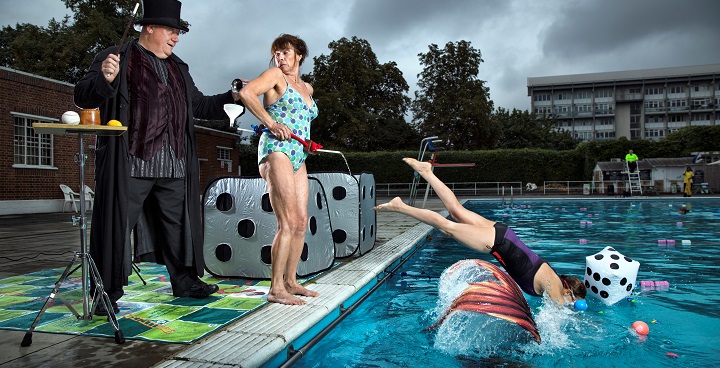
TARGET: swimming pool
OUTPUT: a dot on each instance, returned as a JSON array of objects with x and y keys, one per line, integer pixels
[{"x": 389, "y": 328}]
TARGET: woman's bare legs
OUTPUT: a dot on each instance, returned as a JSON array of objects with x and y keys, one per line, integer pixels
[
  {"x": 456, "y": 210},
  {"x": 288, "y": 196},
  {"x": 291, "y": 283},
  {"x": 480, "y": 238}
]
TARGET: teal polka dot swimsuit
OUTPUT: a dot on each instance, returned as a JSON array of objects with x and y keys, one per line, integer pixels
[{"x": 291, "y": 111}]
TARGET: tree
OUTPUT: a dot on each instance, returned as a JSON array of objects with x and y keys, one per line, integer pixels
[
  {"x": 452, "y": 102},
  {"x": 65, "y": 49},
  {"x": 521, "y": 129},
  {"x": 362, "y": 103}
]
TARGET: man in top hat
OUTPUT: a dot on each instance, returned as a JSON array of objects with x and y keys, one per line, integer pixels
[{"x": 147, "y": 179}]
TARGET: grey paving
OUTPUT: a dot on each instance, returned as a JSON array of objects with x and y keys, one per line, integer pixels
[{"x": 36, "y": 242}]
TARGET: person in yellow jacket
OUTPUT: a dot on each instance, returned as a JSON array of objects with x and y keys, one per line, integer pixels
[
  {"x": 631, "y": 159},
  {"x": 688, "y": 180}
]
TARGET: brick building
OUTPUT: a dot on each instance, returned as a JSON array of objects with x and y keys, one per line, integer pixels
[{"x": 32, "y": 166}]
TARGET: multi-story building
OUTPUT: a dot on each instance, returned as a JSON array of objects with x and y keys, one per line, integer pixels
[{"x": 636, "y": 104}]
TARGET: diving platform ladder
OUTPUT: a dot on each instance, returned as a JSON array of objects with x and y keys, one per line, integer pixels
[
  {"x": 425, "y": 145},
  {"x": 633, "y": 178}
]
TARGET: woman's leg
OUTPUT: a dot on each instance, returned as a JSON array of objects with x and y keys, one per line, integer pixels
[
  {"x": 301, "y": 191},
  {"x": 278, "y": 173},
  {"x": 480, "y": 238},
  {"x": 456, "y": 210}
]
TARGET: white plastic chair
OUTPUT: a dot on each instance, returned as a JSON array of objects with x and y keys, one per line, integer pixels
[
  {"x": 89, "y": 198},
  {"x": 71, "y": 197}
]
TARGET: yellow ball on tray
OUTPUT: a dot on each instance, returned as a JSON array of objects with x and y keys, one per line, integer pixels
[{"x": 114, "y": 123}]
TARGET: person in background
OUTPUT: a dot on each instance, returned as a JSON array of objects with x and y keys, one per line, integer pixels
[
  {"x": 683, "y": 210},
  {"x": 631, "y": 159},
  {"x": 688, "y": 181},
  {"x": 287, "y": 108},
  {"x": 532, "y": 273},
  {"x": 149, "y": 176}
]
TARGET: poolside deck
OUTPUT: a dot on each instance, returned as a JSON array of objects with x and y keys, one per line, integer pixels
[{"x": 249, "y": 342}]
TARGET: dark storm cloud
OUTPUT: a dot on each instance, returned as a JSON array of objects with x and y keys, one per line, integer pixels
[
  {"x": 382, "y": 22},
  {"x": 518, "y": 38},
  {"x": 598, "y": 27}
]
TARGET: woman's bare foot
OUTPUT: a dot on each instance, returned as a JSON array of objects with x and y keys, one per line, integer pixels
[
  {"x": 420, "y": 167},
  {"x": 393, "y": 205},
  {"x": 298, "y": 289},
  {"x": 284, "y": 297}
]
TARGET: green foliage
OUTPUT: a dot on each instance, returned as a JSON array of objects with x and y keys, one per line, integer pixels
[
  {"x": 362, "y": 102},
  {"x": 65, "y": 49},
  {"x": 452, "y": 102},
  {"x": 521, "y": 129},
  {"x": 525, "y": 165}
]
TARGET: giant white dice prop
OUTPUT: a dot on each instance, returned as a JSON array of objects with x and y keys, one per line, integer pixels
[
  {"x": 610, "y": 276},
  {"x": 240, "y": 226},
  {"x": 350, "y": 200}
]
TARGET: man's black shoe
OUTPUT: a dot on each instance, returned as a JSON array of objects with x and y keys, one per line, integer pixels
[
  {"x": 199, "y": 291},
  {"x": 100, "y": 309}
]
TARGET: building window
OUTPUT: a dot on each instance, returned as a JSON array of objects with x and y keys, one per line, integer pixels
[
  {"x": 701, "y": 102},
  {"x": 564, "y": 96},
  {"x": 635, "y": 90},
  {"x": 543, "y": 97},
  {"x": 605, "y": 135},
  {"x": 583, "y": 95},
  {"x": 223, "y": 155},
  {"x": 603, "y": 108},
  {"x": 31, "y": 149},
  {"x": 543, "y": 110},
  {"x": 676, "y": 118},
  {"x": 654, "y": 91},
  {"x": 562, "y": 109},
  {"x": 654, "y": 119},
  {"x": 677, "y": 103},
  {"x": 601, "y": 93},
  {"x": 605, "y": 123},
  {"x": 700, "y": 117},
  {"x": 654, "y": 133},
  {"x": 653, "y": 104},
  {"x": 584, "y": 136},
  {"x": 583, "y": 108},
  {"x": 677, "y": 89}
]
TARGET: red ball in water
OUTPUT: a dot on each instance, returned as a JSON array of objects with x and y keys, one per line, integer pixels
[{"x": 641, "y": 327}]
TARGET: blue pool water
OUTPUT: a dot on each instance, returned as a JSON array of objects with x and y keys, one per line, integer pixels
[{"x": 389, "y": 328}]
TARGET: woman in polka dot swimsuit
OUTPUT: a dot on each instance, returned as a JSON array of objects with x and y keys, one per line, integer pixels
[{"x": 289, "y": 109}]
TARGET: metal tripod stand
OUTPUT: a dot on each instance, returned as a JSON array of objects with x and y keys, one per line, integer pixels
[{"x": 90, "y": 273}]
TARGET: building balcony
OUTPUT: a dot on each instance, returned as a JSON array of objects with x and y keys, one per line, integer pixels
[
  {"x": 604, "y": 112},
  {"x": 655, "y": 110},
  {"x": 678, "y": 109},
  {"x": 627, "y": 97},
  {"x": 703, "y": 107}
]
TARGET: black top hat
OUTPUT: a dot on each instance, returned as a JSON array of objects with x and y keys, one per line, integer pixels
[{"x": 162, "y": 12}]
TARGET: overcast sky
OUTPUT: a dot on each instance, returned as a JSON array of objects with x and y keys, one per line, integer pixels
[{"x": 518, "y": 38}]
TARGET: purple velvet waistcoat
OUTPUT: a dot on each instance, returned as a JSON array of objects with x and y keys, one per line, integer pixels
[{"x": 156, "y": 108}]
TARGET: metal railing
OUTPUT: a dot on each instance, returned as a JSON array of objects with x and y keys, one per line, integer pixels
[
  {"x": 569, "y": 187},
  {"x": 478, "y": 189}
]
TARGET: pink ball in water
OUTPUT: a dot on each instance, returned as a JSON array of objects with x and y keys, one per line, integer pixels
[{"x": 641, "y": 327}]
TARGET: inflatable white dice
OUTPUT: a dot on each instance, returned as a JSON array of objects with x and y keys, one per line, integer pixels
[{"x": 610, "y": 276}]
